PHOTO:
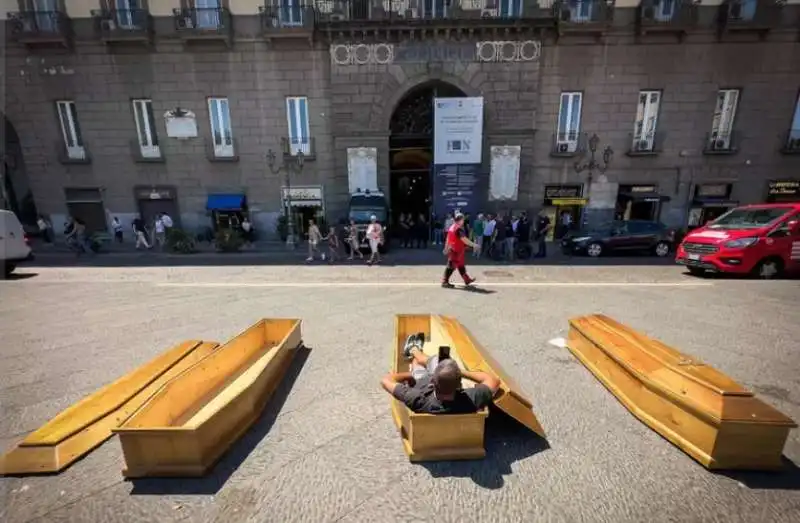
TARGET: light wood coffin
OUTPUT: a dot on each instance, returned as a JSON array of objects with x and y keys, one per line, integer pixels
[
  {"x": 188, "y": 424},
  {"x": 428, "y": 437},
  {"x": 705, "y": 413},
  {"x": 82, "y": 427}
]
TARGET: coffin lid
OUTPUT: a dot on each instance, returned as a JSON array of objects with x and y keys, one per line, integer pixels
[{"x": 510, "y": 398}]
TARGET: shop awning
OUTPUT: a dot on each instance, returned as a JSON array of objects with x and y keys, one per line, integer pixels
[
  {"x": 714, "y": 202},
  {"x": 225, "y": 202},
  {"x": 645, "y": 196}
]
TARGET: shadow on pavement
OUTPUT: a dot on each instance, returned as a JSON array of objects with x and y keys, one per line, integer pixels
[
  {"x": 788, "y": 478},
  {"x": 14, "y": 276},
  {"x": 212, "y": 482},
  {"x": 506, "y": 442}
]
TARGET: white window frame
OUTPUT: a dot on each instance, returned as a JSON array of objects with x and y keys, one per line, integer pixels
[
  {"x": 724, "y": 117},
  {"x": 299, "y": 137},
  {"x": 794, "y": 128},
  {"x": 644, "y": 129},
  {"x": 70, "y": 129},
  {"x": 145, "y": 134},
  {"x": 567, "y": 138},
  {"x": 221, "y": 134}
]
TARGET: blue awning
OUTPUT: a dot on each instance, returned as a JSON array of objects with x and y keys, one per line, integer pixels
[{"x": 225, "y": 202}]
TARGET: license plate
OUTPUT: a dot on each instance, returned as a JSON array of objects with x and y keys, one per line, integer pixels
[{"x": 694, "y": 256}]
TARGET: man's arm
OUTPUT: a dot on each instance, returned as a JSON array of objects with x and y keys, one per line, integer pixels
[
  {"x": 391, "y": 381},
  {"x": 483, "y": 378},
  {"x": 467, "y": 241}
]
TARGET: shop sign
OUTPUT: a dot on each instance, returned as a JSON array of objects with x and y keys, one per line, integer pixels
[
  {"x": 566, "y": 201},
  {"x": 784, "y": 188},
  {"x": 643, "y": 189},
  {"x": 298, "y": 194},
  {"x": 562, "y": 191},
  {"x": 717, "y": 190}
]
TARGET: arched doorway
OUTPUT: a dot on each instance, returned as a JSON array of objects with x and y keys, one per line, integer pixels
[
  {"x": 15, "y": 192},
  {"x": 411, "y": 148}
]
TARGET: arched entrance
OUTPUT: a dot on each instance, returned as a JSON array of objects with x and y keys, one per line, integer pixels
[
  {"x": 411, "y": 148},
  {"x": 15, "y": 192}
]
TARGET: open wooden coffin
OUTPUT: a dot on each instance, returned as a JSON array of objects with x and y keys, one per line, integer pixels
[
  {"x": 82, "y": 427},
  {"x": 188, "y": 424},
  {"x": 429, "y": 437},
  {"x": 702, "y": 411}
]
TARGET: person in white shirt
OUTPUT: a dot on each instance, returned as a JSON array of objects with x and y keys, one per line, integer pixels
[
  {"x": 247, "y": 229},
  {"x": 314, "y": 237},
  {"x": 375, "y": 238},
  {"x": 117, "y": 227},
  {"x": 161, "y": 233},
  {"x": 488, "y": 235},
  {"x": 167, "y": 220},
  {"x": 45, "y": 229}
]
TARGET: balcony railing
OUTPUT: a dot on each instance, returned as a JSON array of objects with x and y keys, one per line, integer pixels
[
  {"x": 568, "y": 144},
  {"x": 146, "y": 153},
  {"x": 224, "y": 150},
  {"x": 117, "y": 25},
  {"x": 75, "y": 154},
  {"x": 287, "y": 20},
  {"x": 646, "y": 144},
  {"x": 292, "y": 146},
  {"x": 667, "y": 15},
  {"x": 584, "y": 12},
  {"x": 203, "y": 23},
  {"x": 721, "y": 143},
  {"x": 791, "y": 142},
  {"x": 31, "y": 27},
  {"x": 333, "y": 12},
  {"x": 750, "y": 15}
]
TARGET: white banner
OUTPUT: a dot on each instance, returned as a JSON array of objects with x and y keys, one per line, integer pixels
[
  {"x": 504, "y": 174},
  {"x": 458, "y": 130}
]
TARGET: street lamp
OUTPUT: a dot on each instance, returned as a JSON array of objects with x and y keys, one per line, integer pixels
[
  {"x": 593, "y": 165},
  {"x": 275, "y": 168}
]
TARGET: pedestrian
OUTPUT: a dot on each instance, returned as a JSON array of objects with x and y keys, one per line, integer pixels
[
  {"x": 314, "y": 237},
  {"x": 352, "y": 241},
  {"x": 499, "y": 240},
  {"x": 477, "y": 233},
  {"x": 160, "y": 232},
  {"x": 116, "y": 226},
  {"x": 405, "y": 229},
  {"x": 422, "y": 232},
  {"x": 165, "y": 218},
  {"x": 438, "y": 230},
  {"x": 375, "y": 239},
  {"x": 488, "y": 235},
  {"x": 247, "y": 232},
  {"x": 542, "y": 228},
  {"x": 448, "y": 222},
  {"x": 511, "y": 233},
  {"x": 139, "y": 233},
  {"x": 81, "y": 237},
  {"x": 455, "y": 250},
  {"x": 333, "y": 244},
  {"x": 45, "y": 229},
  {"x": 524, "y": 235}
]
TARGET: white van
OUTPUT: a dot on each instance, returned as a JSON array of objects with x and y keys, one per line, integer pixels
[{"x": 13, "y": 242}]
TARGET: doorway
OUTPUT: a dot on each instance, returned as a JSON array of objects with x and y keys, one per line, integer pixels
[{"x": 411, "y": 150}]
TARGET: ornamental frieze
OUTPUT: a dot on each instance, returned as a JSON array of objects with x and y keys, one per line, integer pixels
[{"x": 418, "y": 52}]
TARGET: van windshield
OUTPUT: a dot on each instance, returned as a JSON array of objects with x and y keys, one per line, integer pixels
[
  {"x": 748, "y": 218},
  {"x": 363, "y": 214}
]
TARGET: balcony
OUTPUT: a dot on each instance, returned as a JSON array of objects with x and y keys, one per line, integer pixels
[
  {"x": 33, "y": 28},
  {"x": 646, "y": 144},
  {"x": 291, "y": 147},
  {"x": 569, "y": 144},
  {"x": 123, "y": 25},
  {"x": 791, "y": 142},
  {"x": 204, "y": 24},
  {"x": 335, "y": 16},
  {"x": 667, "y": 16},
  {"x": 72, "y": 155},
  {"x": 756, "y": 16},
  {"x": 587, "y": 17},
  {"x": 288, "y": 21},
  {"x": 222, "y": 151},
  {"x": 718, "y": 143},
  {"x": 146, "y": 154}
]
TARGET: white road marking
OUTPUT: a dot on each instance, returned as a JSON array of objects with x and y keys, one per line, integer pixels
[
  {"x": 379, "y": 284},
  {"x": 561, "y": 343}
]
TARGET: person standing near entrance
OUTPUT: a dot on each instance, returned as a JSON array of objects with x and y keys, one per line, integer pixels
[
  {"x": 352, "y": 241},
  {"x": 160, "y": 233},
  {"x": 543, "y": 226},
  {"x": 139, "y": 233},
  {"x": 455, "y": 248},
  {"x": 314, "y": 237},
  {"x": 117, "y": 227},
  {"x": 45, "y": 229},
  {"x": 487, "y": 245},
  {"x": 375, "y": 238},
  {"x": 477, "y": 231}
]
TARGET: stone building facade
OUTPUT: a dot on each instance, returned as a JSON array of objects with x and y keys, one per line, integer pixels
[{"x": 355, "y": 65}]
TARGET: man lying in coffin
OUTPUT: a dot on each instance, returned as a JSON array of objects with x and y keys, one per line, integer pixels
[{"x": 433, "y": 385}]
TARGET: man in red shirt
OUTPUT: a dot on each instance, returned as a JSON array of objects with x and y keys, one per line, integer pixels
[{"x": 455, "y": 249}]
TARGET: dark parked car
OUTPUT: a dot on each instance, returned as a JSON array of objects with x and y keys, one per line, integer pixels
[{"x": 631, "y": 235}]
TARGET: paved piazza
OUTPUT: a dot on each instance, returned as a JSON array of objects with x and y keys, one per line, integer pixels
[{"x": 326, "y": 449}]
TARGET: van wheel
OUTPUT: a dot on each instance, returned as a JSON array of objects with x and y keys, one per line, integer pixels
[
  {"x": 769, "y": 269},
  {"x": 8, "y": 268}
]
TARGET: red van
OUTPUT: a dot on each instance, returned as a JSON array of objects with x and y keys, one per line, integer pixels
[{"x": 763, "y": 240}]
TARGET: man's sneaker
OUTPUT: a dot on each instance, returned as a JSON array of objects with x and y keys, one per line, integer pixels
[
  {"x": 420, "y": 339},
  {"x": 411, "y": 344},
  {"x": 447, "y": 285},
  {"x": 469, "y": 281}
]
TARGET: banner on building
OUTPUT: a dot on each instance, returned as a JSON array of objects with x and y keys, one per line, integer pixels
[
  {"x": 458, "y": 188},
  {"x": 457, "y": 131},
  {"x": 504, "y": 173}
]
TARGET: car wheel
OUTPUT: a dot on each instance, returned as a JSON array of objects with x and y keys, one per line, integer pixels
[
  {"x": 661, "y": 249},
  {"x": 594, "y": 250},
  {"x": 8, "y": 268},
  {"x": 769, "y": 269}
]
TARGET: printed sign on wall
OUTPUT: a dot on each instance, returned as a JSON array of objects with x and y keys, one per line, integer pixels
[
  {"x": 458, "y": 188},
  {"x": 458, "y": 130},
  {"x": 504, "y": 174}
]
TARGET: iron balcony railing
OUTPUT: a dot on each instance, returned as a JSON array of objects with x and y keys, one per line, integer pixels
[
  {"x": 747, "y": 14},
  {"x": 791, "y": 142},
  {"x": 584, "y": 11},
  {"x": 721, "y": 143},
  {"x": 293, "y": 146},
  {"x": 331, "y": 12},
  {"x": 202, "y": 21},
  {"x": 568, "y": 144},
  {"x": 646, "y": 143},
  {"x": 46, "y": 25},
  {"x": 280, "y": 17},
  {"x": 122, "y": 23},
  {"x": 677, "y": 14}
]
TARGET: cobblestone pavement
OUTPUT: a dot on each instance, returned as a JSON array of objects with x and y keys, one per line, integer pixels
[{"x": 327, "y": 450}]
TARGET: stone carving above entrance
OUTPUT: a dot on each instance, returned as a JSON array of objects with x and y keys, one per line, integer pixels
[
  {"x": 418, "y": 52},
  {"x": 362, "y": 54},
  {"x": 509, "y": 51}
]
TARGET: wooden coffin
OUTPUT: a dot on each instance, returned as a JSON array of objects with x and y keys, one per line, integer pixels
[
  {"x": 82, "y": 427},
  {"x": 429, "y": 437},
  {"x": 191, "y": 421},
  {"x": 705, "y": 413}
]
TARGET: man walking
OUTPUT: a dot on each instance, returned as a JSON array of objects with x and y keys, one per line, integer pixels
[
  {"x": 455, "y": 250},
  {"x": 543, "y": 226}
]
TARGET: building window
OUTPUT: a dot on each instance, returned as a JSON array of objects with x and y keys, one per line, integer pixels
[
  {"x": 221, "y": 132},
  {"x": 297, "y": 117},
  {"x": 644, "y": 131},
  {"x": 581, "y": 10},
  {"x": 70, "y": 129},
  {"x": 126, "y": 13},
  {"x": 724, "y": 114},
  {"x": 569, "y": 122},
  {"x": 208, "y": 13},
  {"x": 793, "y": 141},
  {"x": 146, "y": 128}
]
